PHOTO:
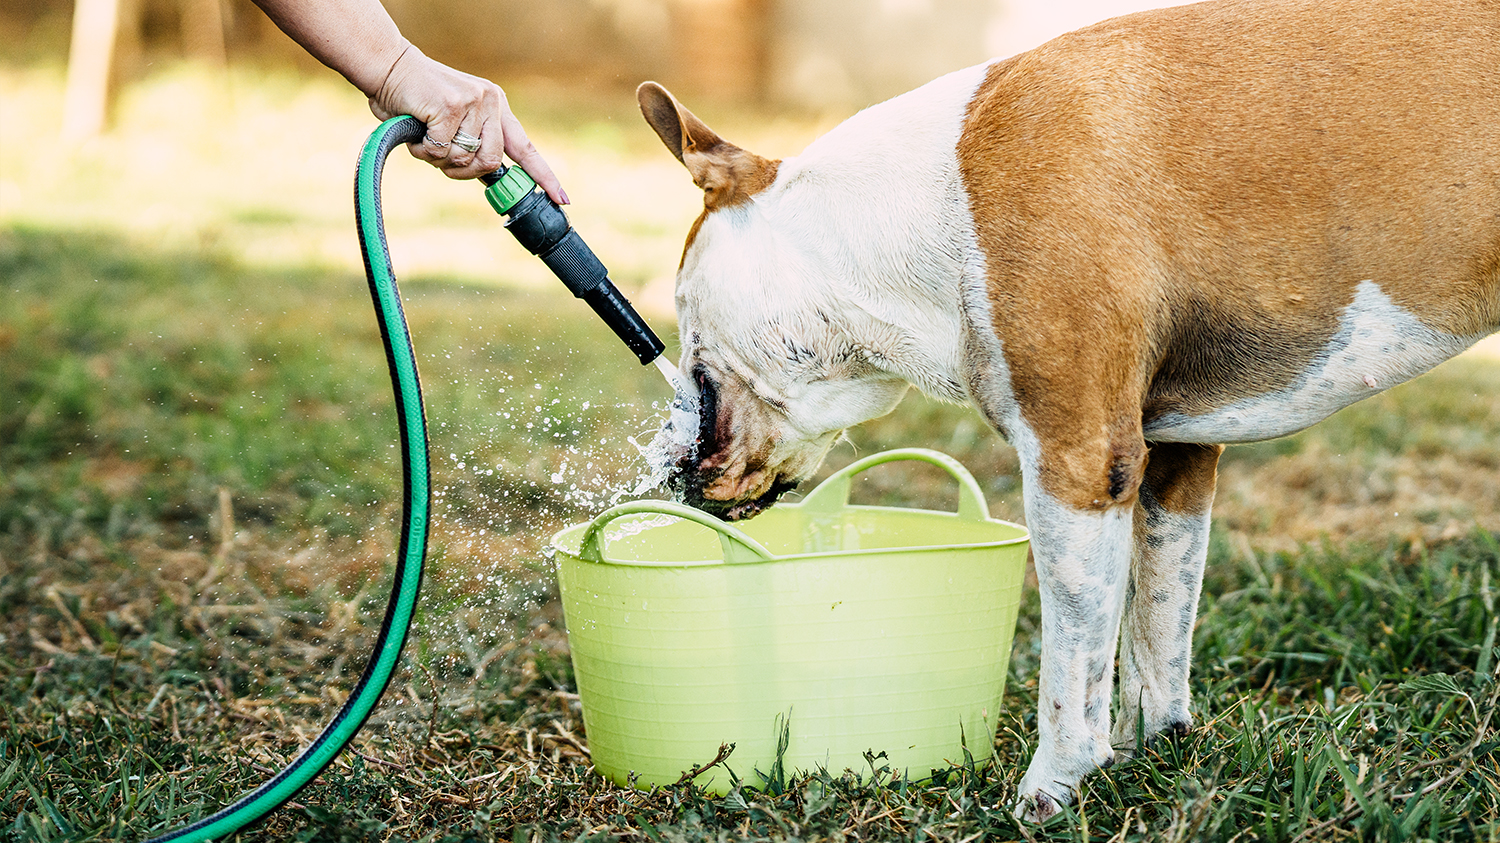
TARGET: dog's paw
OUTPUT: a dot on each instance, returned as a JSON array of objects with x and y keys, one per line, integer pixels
[
  {"x": 1039, "y": 806},
  {"x": 1051, "y": 781},
  {"x": 1171, "y": 726},
  {"x": 1043, "y": 792},
  {"x": 1176, "y": 729}
]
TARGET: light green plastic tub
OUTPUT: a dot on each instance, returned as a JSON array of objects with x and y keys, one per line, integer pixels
[{"x": 844, "y": 629}]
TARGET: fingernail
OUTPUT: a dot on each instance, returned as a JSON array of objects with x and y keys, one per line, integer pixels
[{"x": 564, "y": 194}]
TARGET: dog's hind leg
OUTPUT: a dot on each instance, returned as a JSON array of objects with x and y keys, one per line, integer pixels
[{"x": 1161, "y": 600}]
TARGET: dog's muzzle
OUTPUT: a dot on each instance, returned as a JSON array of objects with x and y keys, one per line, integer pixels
[{"x": 687, "y": 478}]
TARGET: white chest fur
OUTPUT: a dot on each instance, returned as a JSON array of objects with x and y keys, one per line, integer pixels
[{"x": 879, "y": 208}]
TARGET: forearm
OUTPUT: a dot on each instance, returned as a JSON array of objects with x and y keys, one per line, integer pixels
[
  {"x": 355, "y": 37},
  {"x": 359, "y": 40}
]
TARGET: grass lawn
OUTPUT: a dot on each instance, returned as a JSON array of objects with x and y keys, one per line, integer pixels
[{"x": 199, "y": 481}]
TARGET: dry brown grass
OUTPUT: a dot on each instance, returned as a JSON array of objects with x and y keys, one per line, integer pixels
[{"x": 1417, "y": 465}]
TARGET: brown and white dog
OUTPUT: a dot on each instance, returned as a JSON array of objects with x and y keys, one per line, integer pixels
[{"x": 1206, "y": 224}]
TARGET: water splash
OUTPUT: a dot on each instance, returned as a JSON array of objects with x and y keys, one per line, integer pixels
[
  {"x": 624, "y": 528},
  {"x": 678, "y": 438},
  {"x": 518, "y": 454},
  {"x": 681, "y": 428}
]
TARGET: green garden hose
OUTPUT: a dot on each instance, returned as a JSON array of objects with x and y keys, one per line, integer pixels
[{"x": 415, "y": 504}]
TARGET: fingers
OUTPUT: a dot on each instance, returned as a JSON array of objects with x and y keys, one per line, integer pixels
[
  {"x": 458, "y": 147},
  {"x": 469, "y": 151},
  {"x": 475, "y": 146},
  {"x": 457, "y": 109},
  {"x": 523, "y": 152},
  {"x": 430, "y": 149}
]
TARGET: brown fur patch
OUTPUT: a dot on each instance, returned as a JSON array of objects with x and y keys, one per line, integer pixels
[
  {"x": 1176, "y": 206},
  {"x": 1180, "y": 478},
  {"x": 729, "y": 175}
]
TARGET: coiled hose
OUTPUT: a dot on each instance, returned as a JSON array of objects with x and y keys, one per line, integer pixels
[{"x": 415, "y": 507}]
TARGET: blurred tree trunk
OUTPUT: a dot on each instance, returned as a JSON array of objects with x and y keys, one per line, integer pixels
[
  {"x": 107, "y": 36},
  {"x": 724, "y": 45},
  {"x": 203, "y": 32},
  {"x": 90, "y": 57}
]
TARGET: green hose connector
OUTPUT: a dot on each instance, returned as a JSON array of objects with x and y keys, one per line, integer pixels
[{"x": 513, "y": 185}]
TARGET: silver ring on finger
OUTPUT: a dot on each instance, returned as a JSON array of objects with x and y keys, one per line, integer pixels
[
  {"x": 466, "y": 142},
  {"x": 434, "y": 142}
]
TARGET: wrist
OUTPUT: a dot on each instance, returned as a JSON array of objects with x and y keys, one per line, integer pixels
[{"x": 374, "y": 78}]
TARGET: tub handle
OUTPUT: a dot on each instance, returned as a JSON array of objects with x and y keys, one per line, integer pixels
[
  {"x": 832, "y": 494},
  {"x": 738, "y": 546}
]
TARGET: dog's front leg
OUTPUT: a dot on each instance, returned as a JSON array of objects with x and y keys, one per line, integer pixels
[
  {"x": 1161, "y": 601},
  {"x": 1082, "y": 562}
]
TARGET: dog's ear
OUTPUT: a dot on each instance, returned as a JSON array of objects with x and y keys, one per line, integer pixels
[
  {"x": 677, "y": 127},
  {"x": 728, "y": 175}
]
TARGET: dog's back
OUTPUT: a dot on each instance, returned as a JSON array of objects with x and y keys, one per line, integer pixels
[{"x": 1226, "y": 175}]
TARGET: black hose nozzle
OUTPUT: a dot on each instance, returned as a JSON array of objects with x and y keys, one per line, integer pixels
[{"x": 543, "y": 228}]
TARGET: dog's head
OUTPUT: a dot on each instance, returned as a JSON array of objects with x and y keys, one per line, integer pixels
[{"x": 767, "y": 336}]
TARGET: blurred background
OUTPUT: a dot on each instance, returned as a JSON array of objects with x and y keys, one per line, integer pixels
[
  {"x": 192, "y": 95},
  {"x": 174, "y": 181},
  {"x": 812, "y": 54},
  {"x": 198, "y": 481}
]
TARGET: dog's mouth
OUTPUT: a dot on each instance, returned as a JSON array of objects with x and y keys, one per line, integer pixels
[
  {"x": 682, "y": 469},
  {"x": 708, "y": 410},
  {"x": 735, "y": 510},
  {"x": 688, "y": 478}
]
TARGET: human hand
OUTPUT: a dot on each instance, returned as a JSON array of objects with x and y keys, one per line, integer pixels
[{"x": 450, "y": 102}]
